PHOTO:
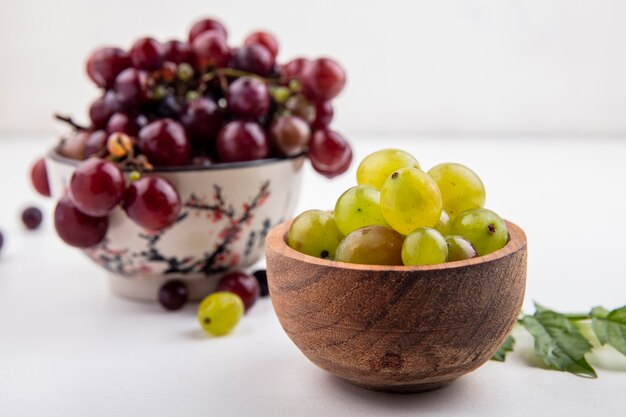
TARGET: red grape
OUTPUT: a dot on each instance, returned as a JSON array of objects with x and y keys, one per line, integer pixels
[
  {"x": 242, "y": 141},
  {"x": 32, "y": 217},
  {"x": 74, "y": 147},
  {"x": 248, "y": 97},
  {"x": 103, "y": 108},
  {"x": 173, "y": 295},
  {"x": 39, "y": 177},
  {"x": 323, "y": 115},
  {"x": 244, "y": 285},
  {"x": 206, "y": 25},
  {"x": 301, "y": 106},
  {"x": 329, "y": 152},
  {"x": 202, "y": 120},
  {"x": 147, "y": 54},
  {"x": 96, "y": 187},
  {"x": 1, "y": 240},
  {"x": 96, "y": 143},
  {"x": 177, "y": 52},
  {"x": 104, "y": 65},
  {"x": 164, "y": 143},
  {"x": 152, "y": 202},
  {"x": 264, "y": 39},
  {"x": 131, "y": 87},
  {"x": 253, "y": 58},
  {"x": 77, "y": 228},
  {"x": 211, "y": 50},
  {"x": 323, "y": 79},
  {"x": 124, "y": 123},
  {"x": 293, "y": 69},
  {"x": 289, "y": 135}
]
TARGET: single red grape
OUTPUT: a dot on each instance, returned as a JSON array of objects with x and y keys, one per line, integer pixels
[
  {"x": 244, "y": 285},
  {"x": 147, "y": 54},
  {"x": 96, "y": 143},
  {"x": 248, "y": 98},
  {"x": 164, "y": 143},
  {"x": 210, "y": 50},
  {"x": 177, "y": 52},
  {"x": 173, "y": 295},
  {"x": 74, "y": 147},
  {"x": 39, "y": 177},
  {"x": 152, "y": 202},
  {"x": 242, "y": 141},
  {"x": 103, "y": 108},
  {"x": 323, "y": 79},
  {"x": 96, "y": 187},
  {"x": 293, "y": 69},
  {"x": 323, "y": 115},
  {"x": 329, "y": 152},
  {"x": 131, "y": 87},
  {"x": 32, "y": 217},
  {"x": 299, "y": 105},
  {"x": 289, "y": 135},
  {"x": 264, "y": 39},
  {"x": 206, "y": 25},
  {"x": 202, "y": 120},
  {"x": 252, "y": 58},
  {"x": 104, "y": 65},
  {"x": 77, "y": 228},
  {"x": 124, "y": 123}
]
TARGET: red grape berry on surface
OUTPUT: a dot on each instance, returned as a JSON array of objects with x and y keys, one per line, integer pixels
[
  {"x": 32, "y": 217},
  {"x": 330, "y": 153},
  {"x": 39, "y": 177},
  {"x": 173, "y": 295},
  {"x": 244, "y": 285},
  {"x": 152, "y": 202},
  {"x": 77, "y": 228}
]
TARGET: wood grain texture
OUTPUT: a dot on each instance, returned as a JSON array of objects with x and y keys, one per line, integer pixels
[{"x": 401, "y": 329}]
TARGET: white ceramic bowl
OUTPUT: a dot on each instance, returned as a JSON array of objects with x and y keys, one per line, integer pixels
[{"x": 227, "y": 211}]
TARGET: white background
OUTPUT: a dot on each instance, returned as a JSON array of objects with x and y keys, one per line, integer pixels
[{"x": 449, "y": 66}]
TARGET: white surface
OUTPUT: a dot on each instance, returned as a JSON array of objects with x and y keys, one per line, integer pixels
[
  {"x": 68, "y": 347},
  {"x": 413, "y": 66}
]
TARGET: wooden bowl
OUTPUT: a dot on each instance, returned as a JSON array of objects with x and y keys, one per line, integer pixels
[{"x": 397, "y": 328}]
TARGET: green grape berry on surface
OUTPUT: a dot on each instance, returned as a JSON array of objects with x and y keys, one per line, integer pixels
[
  {"x": 220, "y": 312},
  {"x": 424, "y": 246},
  {"x": 315, "y": 233},
  {"x": 410, "y": 199},
  {"x": 378, "y": 166},
  {"x": 372, "y": 245},
  {"x": 459, "y": 248},
  {"x": 461, "y": 189},
  {"x": 483, "y": 228},
  {"x": 359, "y": 207},
  {"x": 444, "y": 224}
]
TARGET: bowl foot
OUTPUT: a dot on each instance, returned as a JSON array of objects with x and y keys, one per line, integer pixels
[
  {"x": 147, "y": 289},
  {"x": 404, "y": 389}
]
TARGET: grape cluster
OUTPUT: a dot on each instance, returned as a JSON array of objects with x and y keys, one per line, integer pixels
[
  {"x": 402, "y": 215},
  {"x": 202, "y": 102}
]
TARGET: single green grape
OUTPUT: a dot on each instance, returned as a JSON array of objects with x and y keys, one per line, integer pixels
[
  {"x": 375, "y": 168},
  {"x": 359, "y": 207},
  {"x": 461, "y": 189},
  {"x": 315, "y": 233},
  {"x": 444, "y": 223},
  {"x": 220, "y": 312},
  {"x": 485, "y": 230},
  {"x": 425, "y": 246},
  {"x": 372, "y": 245},
  {"x": 410, "y": 199},
  {"x": 459, "y": 248}
]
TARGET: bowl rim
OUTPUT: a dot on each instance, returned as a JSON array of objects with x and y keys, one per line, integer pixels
[
  {"x": 277, "y": 241},
  {"x": 54, "y": 155}
]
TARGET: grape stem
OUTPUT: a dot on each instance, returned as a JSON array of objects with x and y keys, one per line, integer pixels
[
  {"x": 569, "y": 316},
  {"x": 69, "y": 121}
]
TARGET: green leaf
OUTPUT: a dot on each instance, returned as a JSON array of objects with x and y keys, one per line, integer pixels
[
  {"x": 610, "y": 327},
  {"x": 558, "y": 342},
  {"x": 507, "y": 346}
]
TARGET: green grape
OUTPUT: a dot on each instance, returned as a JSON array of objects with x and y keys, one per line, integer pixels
[
  {"x": 425, "y": 246},
  {"x": 485, "y": 230},
  {"x": 459, "y": 248},
  {"x": 461, "y": 189},
  {"x": 220, "y": 312},
  {"x": 410, "y": 199},
  {"x": 315, "y": 233},
  {"x": 372, "y": 245},
  {"x": 375, "y": 168},
  {"x": 359, "y": 207},
  {"x": 444, "y": 223}
]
